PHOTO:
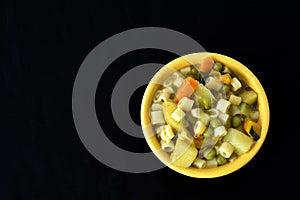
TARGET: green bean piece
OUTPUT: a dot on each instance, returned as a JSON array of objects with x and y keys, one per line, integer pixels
[
  {"x": 221, "y": 160},
  {"x": 209, "y": 154},
  {"x": 236, "y": 121},
  {"x": 209, "y": 132}
]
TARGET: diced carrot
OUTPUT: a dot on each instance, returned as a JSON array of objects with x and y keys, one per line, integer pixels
[
  {"x": 206, "y": 65},
  {"x": 186, "y": 89}
]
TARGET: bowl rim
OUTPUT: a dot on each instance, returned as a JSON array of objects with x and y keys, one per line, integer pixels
[{"x": 242, "y": 72}]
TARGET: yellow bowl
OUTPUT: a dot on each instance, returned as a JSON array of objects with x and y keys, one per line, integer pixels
[{"x": 243, "y": 73}]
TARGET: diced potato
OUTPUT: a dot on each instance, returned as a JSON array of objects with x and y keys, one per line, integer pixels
[
  {"x": 248, "y": 96},
  {"x": 241, "y": 142},
  {"x": 178, "y": 114},
  {"x": 184, "y": 153},
  {"x": 186, "y": 104}
]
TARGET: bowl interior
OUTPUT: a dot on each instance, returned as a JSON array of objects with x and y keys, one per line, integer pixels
[{"x": 243, "y": 73}]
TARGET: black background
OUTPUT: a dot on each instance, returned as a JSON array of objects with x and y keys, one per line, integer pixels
[{"x": 43, "y": 44}]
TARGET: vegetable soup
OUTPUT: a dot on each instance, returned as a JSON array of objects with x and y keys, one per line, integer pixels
[{"x": 204, "y": 115}]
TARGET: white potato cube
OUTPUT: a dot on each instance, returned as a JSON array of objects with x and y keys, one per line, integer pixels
[
  {"x": 178, "y": 114},
  {"x": 186, "y": 104}
]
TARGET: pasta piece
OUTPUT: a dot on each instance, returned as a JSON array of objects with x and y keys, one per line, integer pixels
[
  {"x": 156, "y": 98},
  {"x": 199, "y": 114},
  {"x": 178, "y": 81},
  {"x": 199, "y": 128},
  {"x": 213, "y": 83},
  {"x": 226, "y": 149},
  {"x": 224, "y": 117},
  {"x": 220, "y": 131},
  {"x": 176, "y": 74},
  {"x": 213, "y": 113},
  {"x": 185, "y": 103},
  {"x": 234, "y": 110},
  {"x": 199, "y": 163},
  {"x": 156, "y": 107},
  {"x": 169, "y": 81},
  {"x": 235, "y": 100},
  {"x": 196, "y": 112},
  {"x": 223, "y": 105},
  {"x": 169, "y": 131},
  {"x": 168, "y": 147},
  {"x": 185, "y": 70},
  {"x": 164, "y": 97},
  {"x": 157, "y": 117},
  {"x": 236, "y": 84},
  {"x": 178, "y": 114},
  {"x": 205, "y": 118}
]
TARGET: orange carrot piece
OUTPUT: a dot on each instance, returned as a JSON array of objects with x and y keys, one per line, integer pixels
[
  {"x": 186, "y": 89},
  {"x": 206, "y": 65}
]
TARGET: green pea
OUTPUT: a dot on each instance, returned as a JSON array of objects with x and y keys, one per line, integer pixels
[
  {"x": 209, "y": 154},
  {"x": 218, "y": 66},
  {"x": 236, "y": 121},
  {"x": 194, "y": 71},
  {"x": 221, "y": 160}
]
